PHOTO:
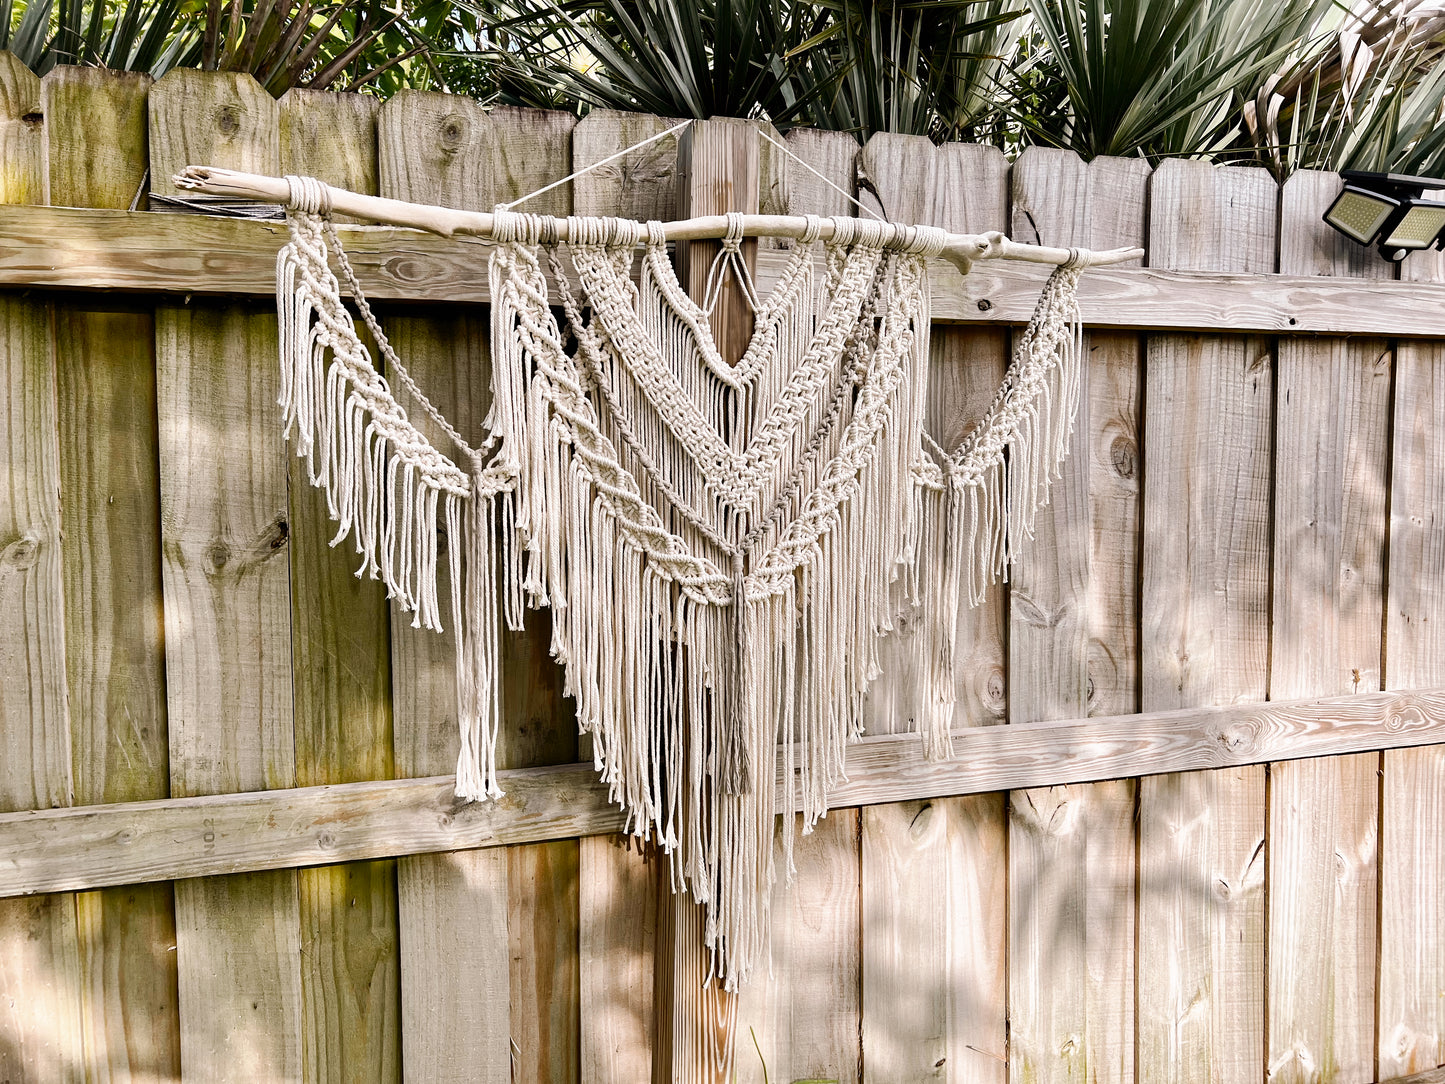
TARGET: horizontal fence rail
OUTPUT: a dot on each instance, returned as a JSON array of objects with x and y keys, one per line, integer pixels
[
  {"x": 91, "y": 847},
  {"x": 144, "y": 252}
]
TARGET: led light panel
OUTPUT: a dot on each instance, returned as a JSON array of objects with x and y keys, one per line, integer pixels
[
  {"x": 1419, "y": 227},
  {"x": 1360, "y": 214}
]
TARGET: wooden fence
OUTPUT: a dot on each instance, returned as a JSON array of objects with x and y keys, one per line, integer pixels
[{"x": 1209, "y": 845}]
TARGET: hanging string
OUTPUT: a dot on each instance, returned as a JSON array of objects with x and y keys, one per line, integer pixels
[
  {"x": 623, "y": 153},
  {"x": 852, "y": 199}
]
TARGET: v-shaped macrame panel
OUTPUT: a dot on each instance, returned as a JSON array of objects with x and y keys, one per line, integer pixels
[{"x": 721, "y": 545}]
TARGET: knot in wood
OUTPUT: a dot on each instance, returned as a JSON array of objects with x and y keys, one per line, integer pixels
[
  {"x": 228, "y": 120},
  {"x": 453, "y": 132},
  {"x": 1123, "y": 456},
  {"x": 22, "y": 553},
  {"x": 1239, "y": 739},
  {"x": 218, "y": 554}
]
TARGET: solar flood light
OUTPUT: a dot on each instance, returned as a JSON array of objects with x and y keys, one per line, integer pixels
[{"x": 1388, "y": 210}]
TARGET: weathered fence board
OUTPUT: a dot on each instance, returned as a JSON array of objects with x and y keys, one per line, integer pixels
[
  {"x": 1071, "y": 849},
  {"x": 225, "y": 542},
  {"x": 1331, "y": 462},
  {"x": 40, "y": 1023},
  {"x": 1411, "y": 1021},
  {"x": 110, "y": 494},
  {"x": 1205, "y": 639},
  {"x": 68, "y": 249},
  {"x": 57, "y": 850}
]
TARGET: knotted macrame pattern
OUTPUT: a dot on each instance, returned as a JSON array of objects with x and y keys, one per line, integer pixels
[{"x": 721, "y": 545}]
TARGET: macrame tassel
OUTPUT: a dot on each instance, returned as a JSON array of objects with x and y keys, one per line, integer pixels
[
  {"x": 476, "y": 624},
  {"x": 982, "y": 506},
  {"x": 735, "y": 760},
  {"x": 385, "y": 485}
]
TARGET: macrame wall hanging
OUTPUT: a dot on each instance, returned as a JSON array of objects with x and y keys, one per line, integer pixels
[{"x": 721, "y": 545}]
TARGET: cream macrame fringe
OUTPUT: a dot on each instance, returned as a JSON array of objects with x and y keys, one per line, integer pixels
[
  {"x": 721, "y": 545},
  {"x": 385, "y": 485}
]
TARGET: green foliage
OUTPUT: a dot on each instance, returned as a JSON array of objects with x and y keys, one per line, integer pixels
[
  {"x": 283, "y": 43},
  {"x": 1367, "y": 94},
  {"x": 921, "y": 68},
  {"x": 1157, "y": 77},
  {"x": 1289, "y": 83},
  {"x": 700, "y": 59}
]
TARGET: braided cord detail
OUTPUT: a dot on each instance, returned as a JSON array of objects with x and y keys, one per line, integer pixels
[
  {"x": 318, "y": 285},
  {"x": 1036, "y": 353},
  {"x": 524, "y": 295}
]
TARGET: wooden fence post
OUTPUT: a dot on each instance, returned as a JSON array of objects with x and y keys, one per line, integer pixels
[
  {"x": 95, "y": 124},
  {"x": 40, "y": 1025},
  {"x": 1204, "y": 638},
  {"x": 1073, "y": 597}
]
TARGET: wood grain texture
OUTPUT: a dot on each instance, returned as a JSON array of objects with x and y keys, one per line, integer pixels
[
  {"x": 331, "y": 137},
  {"x": 641, "y": 185},
  {"x": 1205, "y": 639},
  {"x": 1072, "y": 606},
  {"x": 40, "y": 977},
  {"x": 933, "y": 941},
  {"x": 956, "y": 186},
  {"x": 225, "y": 533},
  {"x": 802, "y": 1020},
  {"x": 110, "y": 493},
  {"x": 88, "y": 847},
  {"x": 341, "y": 673},
  {"x": 22, "y": 134},
  {"x": 618, "y": 887},
  {"x": 1331, "y": 453},
  {"x": 70, "y": 249},
  {"x": 1411, "y": 1023}
]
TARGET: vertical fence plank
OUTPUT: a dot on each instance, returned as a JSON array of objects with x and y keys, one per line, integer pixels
[
  {"x": 1331, "y": 447},
  {"x": 617, "y": 934},
  {"x": 532, "y": 148},
  {"x": 933, "y": 872},
  {"x": 341, "y": 669},
  {"x": 1411, "y": 996},
  {"x": 962, "y": 187},
  {"x": 110, "y": 496},
  {"x": 1072, "y": 595},
  {"x": 225, "y": 539},
  {"x": 641, "y": 185},
  {"x": 932, "y": 920},
  {"x": 1204, "y": 640},
  {"x": 622, "y": 884},
  {"x": 452, "y": 908},
  {"x": 40, "y": 1025},
  {"x": 800, "y": 1019}
]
